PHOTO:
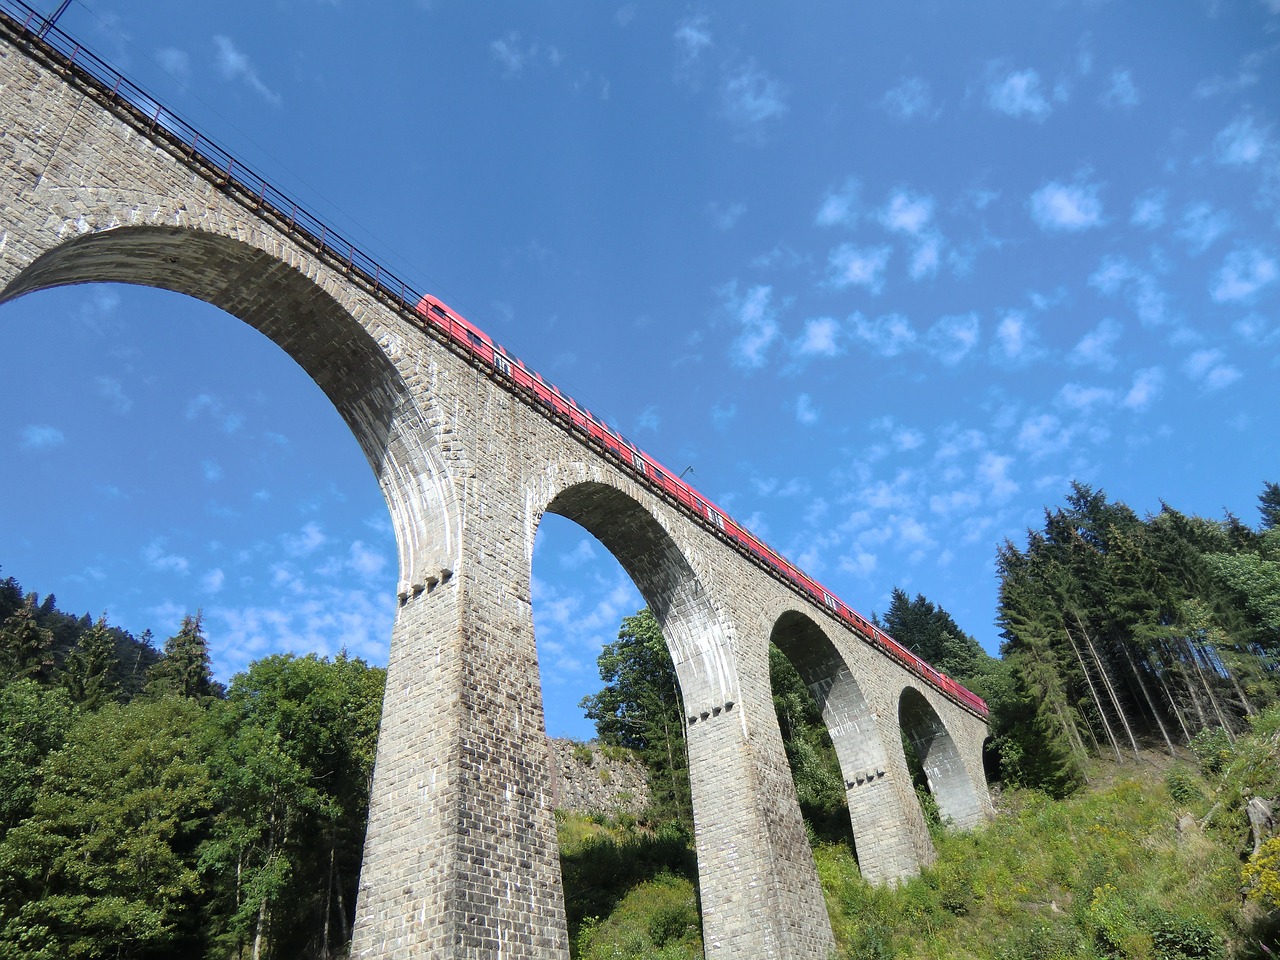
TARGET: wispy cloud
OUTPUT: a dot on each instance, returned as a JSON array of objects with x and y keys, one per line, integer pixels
[
  {"x": 175, "y": 62},
  {"x": 750, "y": 98},
  {"x": 1242, "y": 143},
  {"x": 692, "y": 37},
  {"x": 235, "y": 65},
  {"x": 1017, "y": 93},
  {"x": 806, "y": 412},
  {"x": 1148, "y": 209},
  {"x": 820, "y": 338},
  {"x": 1096, "y": 348},
  {"x": 754, "y": 313},
  {"x": 889, "y": 336},
  {"x": 853, "y": 266},
  {"x": 206, "y": 404},
  {"x": 40, "y": 436},
  {"x": 1121, "y": 92},
  {"x": 514, "y": 55},
  {"x": 907, "y": 212},
  {"x": 910, "y": 99},
  {"x": 157, "y": 557},
  {"x": 840, "y": 206},
  {"x": 1210, "y": 369},
  {"x": 1015, "y": 339},
  {"x": 1118, "y": 276},
  {"x": 952, "y": 338},
  {"x": 111, "y": 390},
  {"x": 1147, "y": 386},
  {"x": 725, "y": 216},
  {"x": 1066, "y": 207},
  {"x": 1243, "y": 274},
  {"x": 1202, "y": 226}
]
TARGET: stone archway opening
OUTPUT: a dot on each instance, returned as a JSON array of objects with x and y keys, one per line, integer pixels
[
  {"x": 947, "y": 793},
  {"x": 178, "y": 462},
  {"x": 815, "y": 766},
  {"x": 609, "y": 585}
]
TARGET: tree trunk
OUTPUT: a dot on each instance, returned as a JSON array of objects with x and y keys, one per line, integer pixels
[
  {"x": 1084, "y": 668},
  {"x": 1106, "y": 682},
  {"x": 1151, "y": 704}
]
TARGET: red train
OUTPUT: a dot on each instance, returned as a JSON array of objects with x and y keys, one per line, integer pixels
[{"x": 507, "y": 367}]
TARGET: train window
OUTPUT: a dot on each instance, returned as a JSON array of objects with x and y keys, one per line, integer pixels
[
  {"x": 639, "y": 464},
  {"x": 715, "y": 518},
  {"x": 500, "y": 362},
  {"x": 475, "y": 338},
  {"x": 439, "y": 312},
  {"x": 829, "y": 600}
]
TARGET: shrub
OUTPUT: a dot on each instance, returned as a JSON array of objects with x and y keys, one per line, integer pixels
[
  {"x": 1261, "y": 875},
  {"x": 1185, "y": 938},
  {"x": 1212, "y": 748},
  {"x": 582, "y": 753},
  {"x": 1184, "y": 786}
]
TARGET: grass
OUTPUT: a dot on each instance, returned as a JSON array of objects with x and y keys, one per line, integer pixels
[{"x": 1146, "y": 864}]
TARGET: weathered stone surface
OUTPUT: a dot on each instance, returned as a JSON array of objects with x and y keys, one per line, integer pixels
[
  {"x": 460, "y": 857},
  {"x": 586, "y": 779}
]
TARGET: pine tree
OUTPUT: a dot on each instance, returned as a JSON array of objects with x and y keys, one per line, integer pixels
[
  {"x": 1269, "y": 505},
  {"x": 25, "y": 645},
  {"x": 185, "y": 670},
  {"x": 89, "y": 672}
]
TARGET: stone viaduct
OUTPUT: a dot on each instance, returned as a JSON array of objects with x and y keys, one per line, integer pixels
[{"x": 101, "y": 184}]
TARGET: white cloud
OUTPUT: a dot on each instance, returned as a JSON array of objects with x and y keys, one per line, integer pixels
[
  {"x": 907, "y": 212},
  {"x": 692, "y": 37},
  {"x": 1121, "y": 92},
  {"x": 212, "y": 470},
  {"x": 951, "y": 338},
  {"x": 1016, "y": 339},
  {"x": 806, "y": 412},
  {"x": 1202, "y": 226},
  {"x": 1243, "y": 274},
  {"x": 821, "y": 338},
  {"x": 1208, "y": 369},
  {"x": 726, "y": 215},
  {"x": 213, "y": 581},
  {"x": 234, "y": 65},
  {"x": 722, "y": 415},
  {"x": 1117, "y": 276},
  {"x": 365, "y": 561},
  {"x": 993, "y": 471},
  {"x": 955, "y": 502},
  {"x": 1017, "y": 94},
  {"x": 510, "y": 54},
  {"x": 649, "y": 419},
  {"x": 1241, "y": 143},
  {"x": 911, "y": 98},
  {"x": 111, "y": 390},
  {"x": 750, "y": 97},
  {"x": 175, "y": 62},
  {"x": 888, "y": 336},
  {"x": 159, "y": 559},
  {"x": 1042, "y": 435},
  {"x": 230, "y": 422},
  {"x": 1066, "y": 207},
  {"x": 1147, "y": 384},
  {"x": 853, "y": 266},
  {"x": 306, "y": 542},
  {"x": 1075, "y": 396},
  {"x": 839, "y": 207},
  {"x": 754, "y": 313},
  {"x": 38, "y": 436},
  {"x": 926, "y": 257},
  {"x": 1148, "y": 209}
]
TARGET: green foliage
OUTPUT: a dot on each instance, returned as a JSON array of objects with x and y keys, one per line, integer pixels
[
  {"x": 1183, "y": 785},
  {"x": 104, "y": 866},
  {"x": 607, "y": 866},
  {"x": 1176, "y": 937},
  {"x": 1261, "y": 875},
  {"x": 89, "y": 671},
  {"x": 1212, "y": 749},
  {"x": 582, "y": 753},
  {"x": 33, "y": 724},
  {"x": 640, "y": 709},
  {"x": 186, "y": 669},
  {"x": 930, "y": 632}
]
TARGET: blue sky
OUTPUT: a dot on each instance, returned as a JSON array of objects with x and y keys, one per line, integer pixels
[{"x": 886, "y": 275}]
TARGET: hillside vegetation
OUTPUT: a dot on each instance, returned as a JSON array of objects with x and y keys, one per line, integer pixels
[{"x": 149, "y": 812}]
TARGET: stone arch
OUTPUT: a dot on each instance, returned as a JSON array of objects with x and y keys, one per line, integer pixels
[
  {"x": 322, "y": 335},
  {"x": 885, "y": 852},
  {"x": 944, "y": 767},
  {"x": 695, "y": 634}
]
